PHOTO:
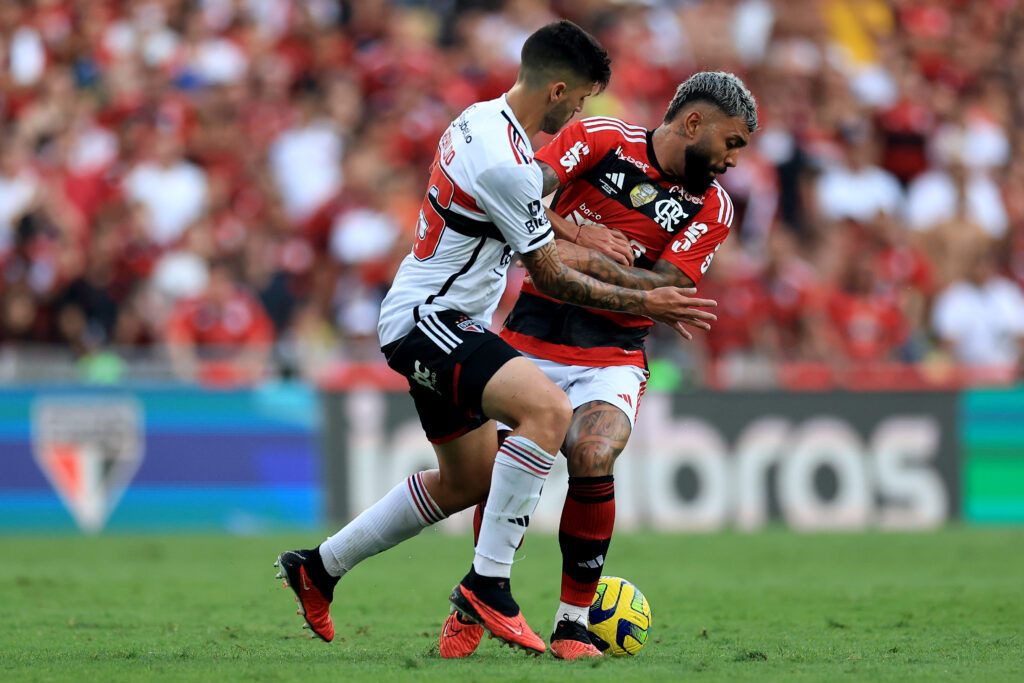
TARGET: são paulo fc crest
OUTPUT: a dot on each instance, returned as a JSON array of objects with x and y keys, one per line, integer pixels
[
  {"x": 644, "y": 193},
  {"x": 89, "y": 450},
  {"x": 470, "y": 325}
]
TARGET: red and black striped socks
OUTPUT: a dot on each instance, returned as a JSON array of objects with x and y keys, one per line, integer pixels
[{"x": 584, "y": 534}]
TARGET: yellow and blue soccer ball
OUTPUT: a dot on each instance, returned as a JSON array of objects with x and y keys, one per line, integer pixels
[{"x": 620, "y": 617}]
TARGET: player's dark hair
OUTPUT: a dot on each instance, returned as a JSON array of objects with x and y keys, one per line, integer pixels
[
  {"x": 562, "y": 50},
  {"x": 724, "y": 90}
]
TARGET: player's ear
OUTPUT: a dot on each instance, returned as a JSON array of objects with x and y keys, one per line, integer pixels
[
  {"x": 557, "y": 90},
  {"x": 691, "y": 122}
]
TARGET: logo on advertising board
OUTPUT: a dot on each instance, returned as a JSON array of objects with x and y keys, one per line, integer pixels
[
  {"x": 89, "y": 450},
  {"x": 744, "y": 459}
]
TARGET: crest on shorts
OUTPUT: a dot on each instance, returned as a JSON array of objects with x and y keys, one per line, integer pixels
[
  {"x": 89, "y": 450},
  {"x": 470, "y": 325},
  {"x": 644, "y": 193}
]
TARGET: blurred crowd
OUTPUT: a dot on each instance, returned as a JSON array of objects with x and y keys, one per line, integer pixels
[{"x": 232, "y": 183}]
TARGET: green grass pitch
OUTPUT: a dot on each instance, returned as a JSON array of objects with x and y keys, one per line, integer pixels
[{"x": 775, "y": 605}]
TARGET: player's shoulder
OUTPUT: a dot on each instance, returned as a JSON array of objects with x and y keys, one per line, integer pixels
[
  {"x": 594, "y": 137},
  {"x": 492, "y": 136},
  {"x": 718, "y": 205},
  {"x": 613, "y": 128}
]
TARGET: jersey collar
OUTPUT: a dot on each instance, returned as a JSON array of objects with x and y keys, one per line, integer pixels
[
  {"x": 511, "y": 116},
  {"x": 653, "y": 158}
]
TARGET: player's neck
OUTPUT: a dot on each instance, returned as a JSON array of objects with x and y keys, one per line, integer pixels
[
  {"x": 528, "y": 108},
  {"x": 663, "y": 140}
]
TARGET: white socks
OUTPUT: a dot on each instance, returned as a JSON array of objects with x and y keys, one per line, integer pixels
[
  {"x": 405, "y": 511},
  {"x": 567, "y": 612},
  {"x": 520, "y": 469}
]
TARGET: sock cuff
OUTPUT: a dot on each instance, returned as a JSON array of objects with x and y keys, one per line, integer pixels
[
  {"x": 426, "y": 509},
  {"x": 522, "y": 453},
  {"x": 592, "y": 489}
]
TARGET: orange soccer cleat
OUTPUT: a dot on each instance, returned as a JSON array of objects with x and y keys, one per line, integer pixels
[
  {"x": 314, "y": 589},
  {"x": 570, "y": 641},
  {"x": 459, "y": 636},
  {"x": 493, "y": 608}
]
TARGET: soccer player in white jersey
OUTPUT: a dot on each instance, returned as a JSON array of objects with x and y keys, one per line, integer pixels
[{"x": 483, "y": 204}]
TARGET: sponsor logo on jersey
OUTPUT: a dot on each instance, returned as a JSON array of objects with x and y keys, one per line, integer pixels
[
  {"x": 573, "y": 155},
  {"x": 693, "y": 233},
  {"x": 693, "y": 199},
  {"x": 644, "y": 193},
  {"x": 669, "y": 212},
  {"x": 463, "y": 125},
  {"x": 707, "y": 261},
  {"x": 643, "y": 166},
  {"x": 469, "y": 325},
  {"x": 423, "y": 376},
  {"x": 539, "y": 220},
  {"x": 612, "y": 183},
  {"x": 89, "y": 451}
]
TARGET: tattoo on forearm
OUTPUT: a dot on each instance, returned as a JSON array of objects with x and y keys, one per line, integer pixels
[
  {"x": 551, "y": 181},
  {"x": 597, "y": 434},
  {"x": 600, "y": 266},
  {"x": 597, "y": 265},
  {"x": 555, "y": 279}
]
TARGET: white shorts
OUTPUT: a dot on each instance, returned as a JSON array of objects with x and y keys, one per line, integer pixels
[{"x": 620, "y": 385}]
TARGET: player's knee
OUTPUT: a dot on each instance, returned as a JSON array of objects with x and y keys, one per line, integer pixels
[
  {"x": 591, "y": 463},
  {"x": 547, "y": 419}
]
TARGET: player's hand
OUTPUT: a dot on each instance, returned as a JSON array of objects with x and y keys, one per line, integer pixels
[
  {"x": 677, "y": 308},
  {"x": 610, "y": 242}
]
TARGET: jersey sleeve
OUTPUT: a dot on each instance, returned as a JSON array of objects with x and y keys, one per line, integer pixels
[
  {"x": 511, "y": 197},
  {"x": 571, "y": 153},
  {"x": 693, "y": 249}
]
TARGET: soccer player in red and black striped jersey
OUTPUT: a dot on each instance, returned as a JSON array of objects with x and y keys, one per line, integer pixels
[
  {"x": 659, "y": 190},
  {"x": 482, "y": 205}
]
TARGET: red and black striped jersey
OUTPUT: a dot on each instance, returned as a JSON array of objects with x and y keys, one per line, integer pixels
[{"x": 610, "y": 175}]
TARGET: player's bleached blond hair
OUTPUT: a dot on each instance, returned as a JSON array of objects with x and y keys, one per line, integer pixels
[{"x": 724, "y": 90}]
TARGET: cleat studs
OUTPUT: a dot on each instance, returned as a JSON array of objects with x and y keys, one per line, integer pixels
[
  {"x": 284, "y": 583},
  {"x": 299, "y": 612},
  {"x": 279, "y": 576},
  {"x": 277, "y": 563},
  {"x": 305, "y": 626}
]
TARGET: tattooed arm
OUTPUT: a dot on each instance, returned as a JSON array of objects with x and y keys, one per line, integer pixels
[
  {"x": 591, "y": 235},
  {"x": 598, "y": 265},
  {"x": 551, "y": 179},
  {"x": 669, "y": 305}
]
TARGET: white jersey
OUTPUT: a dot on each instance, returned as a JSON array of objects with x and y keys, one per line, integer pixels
[{"x": 483, "y": 203}]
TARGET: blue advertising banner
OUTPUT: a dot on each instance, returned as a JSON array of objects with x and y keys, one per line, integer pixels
[{"x": 149, "y": 458}]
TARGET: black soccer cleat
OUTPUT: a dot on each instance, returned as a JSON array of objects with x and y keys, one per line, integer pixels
[{"x": 571, "y": 640}]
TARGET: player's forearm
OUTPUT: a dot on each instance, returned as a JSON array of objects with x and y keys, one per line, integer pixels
[
  {"x": 563, "y": 227},
  {"x": 597, "y": 265},
  {"x": 553, "y": 278}
]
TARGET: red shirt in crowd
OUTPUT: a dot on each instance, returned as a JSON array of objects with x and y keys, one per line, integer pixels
[{"x": 238, "y": 321}]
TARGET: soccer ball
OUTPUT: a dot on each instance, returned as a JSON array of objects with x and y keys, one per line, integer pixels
[{"x": 620, "y": 618}]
